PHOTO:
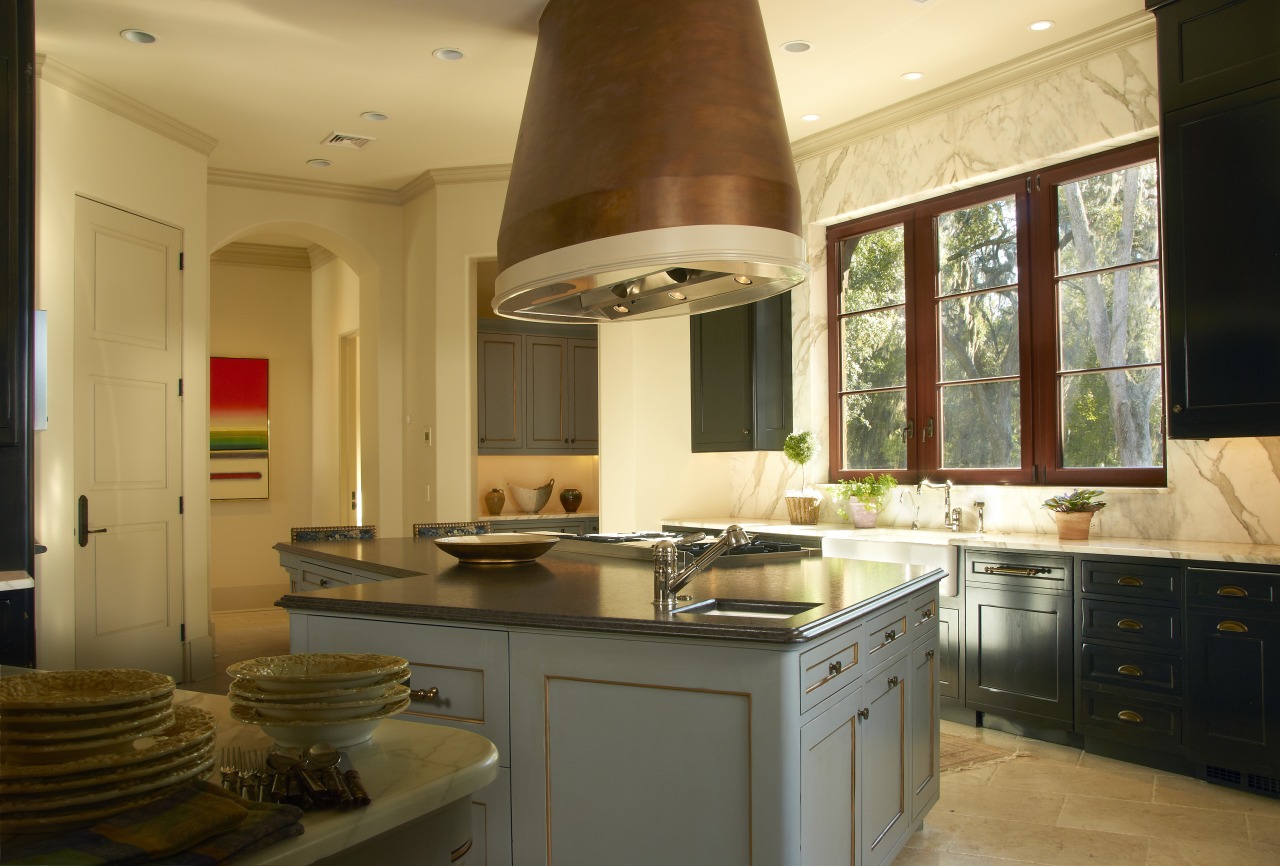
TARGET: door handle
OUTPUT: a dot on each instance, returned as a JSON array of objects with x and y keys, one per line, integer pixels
[{"x": 82, "y": 522}]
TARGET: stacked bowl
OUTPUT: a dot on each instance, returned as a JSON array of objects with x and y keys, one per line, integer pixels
[
  {"x": 306, "y": 698},
  {"x": 78, "y": 746}
]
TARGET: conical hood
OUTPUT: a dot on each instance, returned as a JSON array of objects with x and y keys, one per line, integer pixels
[{"x": 652, "y": 175}]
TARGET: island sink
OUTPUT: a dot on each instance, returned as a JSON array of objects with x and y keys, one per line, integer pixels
[{"x": 747, "y": 607}]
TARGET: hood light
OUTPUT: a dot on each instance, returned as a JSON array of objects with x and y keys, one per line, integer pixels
[
  {"x": 676, "y": 296},
  {"x": 742, "y": 281},
  {"x": 620, "y": 308}
]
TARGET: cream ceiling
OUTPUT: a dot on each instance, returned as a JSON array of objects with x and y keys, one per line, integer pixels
[{"x": 265, "y": 81}]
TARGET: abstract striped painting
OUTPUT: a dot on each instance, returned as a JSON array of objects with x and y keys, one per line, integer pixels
[{"x": 239, "y": 433}]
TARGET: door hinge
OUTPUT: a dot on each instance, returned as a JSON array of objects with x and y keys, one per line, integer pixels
[
  {"x": 182, "y": 632},
  {"x": 182, "y": 261},
  {"x": 179, "y": 504},
  {"x": 179, "y": 387}
]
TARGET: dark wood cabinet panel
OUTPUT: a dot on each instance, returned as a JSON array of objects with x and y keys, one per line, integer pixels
[
  {"x": 583, "y": 389},
  {"x": 501, "y": 390},
  {"x": 546, "y": 365},
  {"x": 740, "y": 364},
  {"x": 949, "y": 685},
  {"x": 1220, "y": 130},
  {"x": 1018, "y": 652},
  {"x": 1234, "y": 714}
]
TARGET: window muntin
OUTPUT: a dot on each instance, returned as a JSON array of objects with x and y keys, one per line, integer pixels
[{"x": 1004, "y": 380}]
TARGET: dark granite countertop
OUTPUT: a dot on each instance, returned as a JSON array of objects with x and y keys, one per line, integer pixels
[{"x": 600, "y": 594}]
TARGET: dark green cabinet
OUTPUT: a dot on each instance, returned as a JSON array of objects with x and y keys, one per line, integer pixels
[
  {"x": 1219, "y": 69},
  {"x": 740, "y": 361},
  {"x": 949, "y": 670},
  {"x": 537, "y": 394}
]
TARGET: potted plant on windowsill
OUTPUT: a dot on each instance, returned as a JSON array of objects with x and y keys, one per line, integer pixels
[
  {"x": 1073, "y": 512},
  {"x": 802, "y": 504},
  {"x": 866, "y": 498}
]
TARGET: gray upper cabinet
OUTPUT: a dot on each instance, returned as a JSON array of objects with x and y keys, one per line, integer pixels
[
  {"x": 538, "y": 394},
  {"x": 740, "y": 360}
]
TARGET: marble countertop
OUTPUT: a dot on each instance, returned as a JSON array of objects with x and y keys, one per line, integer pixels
[
  {"x": 594, "y": 593},
  {"x": 410, "y": 769},
  {"x": 541, "y": 515},
  {"x": 1209, "y": 551}
]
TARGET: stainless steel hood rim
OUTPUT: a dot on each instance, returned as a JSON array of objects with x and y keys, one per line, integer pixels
[{"x": 772, "y": 258}]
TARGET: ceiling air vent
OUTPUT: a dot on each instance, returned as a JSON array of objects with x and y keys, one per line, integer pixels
[{"x": 342, "y": 139}]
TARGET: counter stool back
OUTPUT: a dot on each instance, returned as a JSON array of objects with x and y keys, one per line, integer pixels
[
  {"x": 445, "y": 530},
  {"x": 332, "y": 533}
]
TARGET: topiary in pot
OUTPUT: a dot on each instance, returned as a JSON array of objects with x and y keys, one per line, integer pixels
[{"x": 802, "y": 505}]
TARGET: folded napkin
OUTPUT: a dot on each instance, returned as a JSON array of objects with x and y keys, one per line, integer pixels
[{"x": 197, "y": 824}]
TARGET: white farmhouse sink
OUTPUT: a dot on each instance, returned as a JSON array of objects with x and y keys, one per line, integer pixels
[{"x": 930, "y": 549}]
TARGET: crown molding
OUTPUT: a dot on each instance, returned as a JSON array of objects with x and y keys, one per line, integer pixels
[
  {"x": 64, "y": 77},
  {"x": 263, "y": 256},
  {"x": 432, "y": 178},
  {"x": 1130, "y": 30},
  {"x": 320, "y": 256},
  {"x": 323, "y": 189}
]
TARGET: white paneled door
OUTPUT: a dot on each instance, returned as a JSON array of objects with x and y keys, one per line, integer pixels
[{"x": 128, "y": 362}]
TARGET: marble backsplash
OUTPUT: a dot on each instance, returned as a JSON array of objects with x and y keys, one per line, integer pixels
[{"x": 1218, "y": 490}]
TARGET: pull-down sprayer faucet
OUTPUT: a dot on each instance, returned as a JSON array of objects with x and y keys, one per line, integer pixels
[{"x": 667, "y": 580}]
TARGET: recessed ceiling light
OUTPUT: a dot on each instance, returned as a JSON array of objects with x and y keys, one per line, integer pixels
[
  {"x": 141, "y": 37},
  {"x": 448, "y": 54},
  {"x": 811, "y": 117},
  {"x": 319, "y": 163},
  {"x": 374, "y": 115},
  {"x": 797, "y": 46},
  {"x": 912, "y": 76},
  {"x": 1040, "y": 25}
]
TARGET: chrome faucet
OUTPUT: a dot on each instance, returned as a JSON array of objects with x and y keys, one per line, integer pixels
[
  {"x": 669, "y": 578},
  {"x": 950, "y": 516}
]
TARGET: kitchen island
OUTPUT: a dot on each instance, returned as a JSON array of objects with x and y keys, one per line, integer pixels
[{"x": 627, "y": 734}]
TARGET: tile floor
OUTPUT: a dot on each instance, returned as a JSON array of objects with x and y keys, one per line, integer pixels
[{"x": 1050, "y": 805}]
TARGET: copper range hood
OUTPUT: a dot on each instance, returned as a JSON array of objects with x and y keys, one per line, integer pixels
[{"x": 652, "y": 176}]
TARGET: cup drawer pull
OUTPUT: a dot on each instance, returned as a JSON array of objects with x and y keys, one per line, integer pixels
[
  {"x": 427, "y": 695},
  {"x": 1129, "y": 671},
  {"x": 835, "y": 667},
  {"x": 890, "y": 636},
  {"x": 1129, "y": 716},
  {"x": 1233, "y": 592},
  {"x": 1232, "y": 625},
  {"x": 1129, "y": 625},
  {"x": 1130, "y": 581}
]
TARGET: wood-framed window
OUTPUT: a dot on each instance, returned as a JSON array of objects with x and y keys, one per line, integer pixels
[{"x": 1009, "y": 333}]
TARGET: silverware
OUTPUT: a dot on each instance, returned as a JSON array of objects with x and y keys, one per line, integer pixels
[
  {"x": 230, "y": 772},
  {"x": 359, "y": 796}
]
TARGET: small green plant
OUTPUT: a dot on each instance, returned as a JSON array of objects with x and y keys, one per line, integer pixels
[
  {"x": 1076, "y": 500},
  {"x": 870, "y": 491},
  {"x": 799, "y": 448}
]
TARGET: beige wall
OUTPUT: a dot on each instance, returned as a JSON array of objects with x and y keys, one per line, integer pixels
[
  {"x": 335, "y": 311},
  {"x": 253, "y": 313},
  {"x": 85, "y": 150}
]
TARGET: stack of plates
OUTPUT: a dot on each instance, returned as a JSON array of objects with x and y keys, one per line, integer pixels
[
  {"x": 307, "y": 698},
  {"x": 77, "y": 746}
]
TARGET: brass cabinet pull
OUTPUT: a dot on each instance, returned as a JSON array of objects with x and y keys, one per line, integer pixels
[
  {"x": 1129, "y": 625},
  {"x": 1232, "y": 625},
  {"x": 927, "y": 614},
  {"x": 893, "y": 682},
  {"x": 1233, "y": 592},
  {"x": 928, "y": 654},
  {"x": 1130, "y": 581},
  {"x": 835, "y": 667},
  {"x": 1129, "y": 671},
  {"x": 424, "y": 694},
  {"x": 1020, "y": 571},
  {"x": 864, "y": 713},
  {"x": 890, "y": 636},
  {"x": 1129, "y": 716},
  {"x": 324, "y": 581}
]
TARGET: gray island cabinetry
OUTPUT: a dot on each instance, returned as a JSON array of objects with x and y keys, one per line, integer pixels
[{"x": 629, "y": 735}]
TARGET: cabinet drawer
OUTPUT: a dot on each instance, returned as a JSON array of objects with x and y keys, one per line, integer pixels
[
  {"x": 1131, "y": 623},
  {"x": 885, "y": 629},
  {"x": 1131, "y": 669},
  {"x": 924, "y": 614},
  {"x": 312, "y": 575},
  {"x": 1020, "y": 570},
  {"x": 1233, "y": 590},
  {"x": 468, "y": 668},
  {"x": 1130, "y": 718},
  {"x": 829, "y": 667},
  {"x": 1122, "y": 580}
]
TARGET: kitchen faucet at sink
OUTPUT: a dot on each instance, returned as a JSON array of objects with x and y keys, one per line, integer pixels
[
  {"x": 669, "y": 578},
  {"x": 950, "y": 516}
]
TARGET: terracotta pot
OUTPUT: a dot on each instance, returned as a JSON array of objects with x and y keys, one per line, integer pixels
[{"x": 1073, "y": 525}]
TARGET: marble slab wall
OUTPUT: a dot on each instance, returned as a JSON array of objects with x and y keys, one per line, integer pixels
[{"x": 1218, "y": 490}]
